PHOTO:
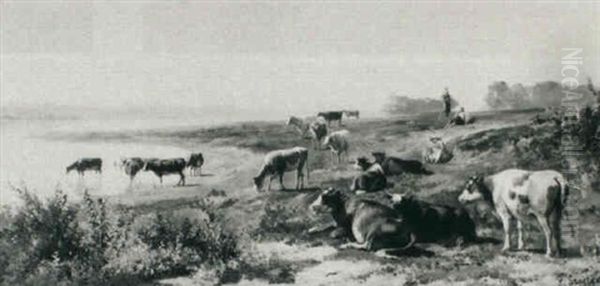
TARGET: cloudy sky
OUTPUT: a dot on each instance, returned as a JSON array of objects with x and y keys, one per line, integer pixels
[{"x": 285, "y": 58}]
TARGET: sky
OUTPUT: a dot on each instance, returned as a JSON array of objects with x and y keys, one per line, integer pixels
[{"x": 282, "y": 58}]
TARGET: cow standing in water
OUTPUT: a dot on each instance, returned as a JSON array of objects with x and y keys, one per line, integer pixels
[
  {"x": 195, "y": 163},
  {"x": 276, "y": 163},
  {"x": 163, "y": 167},
  {"x": 515, "y": 194},
  {"x": 85, "y": 164}
]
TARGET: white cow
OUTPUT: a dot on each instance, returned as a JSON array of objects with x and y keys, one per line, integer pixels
[
  {"x": 276, "y": 163},
  {"x": 515, "y": 194},
  {"x": 337, "y": 142}
]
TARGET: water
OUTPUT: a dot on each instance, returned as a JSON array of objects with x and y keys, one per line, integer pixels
[{"x": 28, "y": 160}]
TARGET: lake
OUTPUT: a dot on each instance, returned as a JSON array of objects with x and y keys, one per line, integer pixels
[{"x": 28, "y": 160}]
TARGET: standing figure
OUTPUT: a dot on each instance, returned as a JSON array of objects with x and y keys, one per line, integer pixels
[{"x": 447, "y": 102}]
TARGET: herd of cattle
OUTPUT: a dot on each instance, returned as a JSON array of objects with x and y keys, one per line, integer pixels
[
  {"x": 132, "y": 166},
  {"x": 373, "y": 226}
]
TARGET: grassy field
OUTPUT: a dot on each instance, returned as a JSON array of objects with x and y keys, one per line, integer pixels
[{"x": 275, "y": 224}]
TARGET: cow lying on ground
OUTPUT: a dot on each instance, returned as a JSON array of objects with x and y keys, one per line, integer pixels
[
  {"x": 332, "y": 116},
  {"x": 371, "y": 225},
  {"x": 396, "y": 166},
  {"x": 515, "y": 194},
  {"x": 434, "y": 223},
  {"x": 86, "y": 164},
  {"x": 352, "y": 113},
  {"x": 437, "y": 152},
  {"x": 195, "y": 163},
  {"x": 276, "y": 163},
  {"x": 337, "y": 142},
  {"x": 161, "y": 167},
  {"x": 371, "y": 179}
]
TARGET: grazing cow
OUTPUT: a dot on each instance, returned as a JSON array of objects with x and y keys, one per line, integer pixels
[
  {"x": 396, "y": 166},
  {"x": 195, "y": 163},
  {"x": 276, "y": 163},
  {"x": 85, "y": 164},
  {"x": 433, "y": 223},
  {"x": 161, "y": 167},
  {"x": 352, "y": 113},
  {"x": 371, "y": 225},
  {"x": 337, "y": 142},
  {"x": 515, "y": 194},
  {"x": 371, "y": 179},
  {"x": 298, "y": 124},
  {"x": 332, "y": 116},
  {"x": 317, "y": 131}
]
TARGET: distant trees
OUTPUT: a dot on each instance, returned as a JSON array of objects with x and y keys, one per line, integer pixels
[
  {"x": 542, "y": 94},
  {"x": 405, "y": 105}
]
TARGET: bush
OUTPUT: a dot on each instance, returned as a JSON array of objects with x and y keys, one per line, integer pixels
[{"x": 55, "y": 242}]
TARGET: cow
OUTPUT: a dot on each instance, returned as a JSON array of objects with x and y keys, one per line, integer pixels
[
  {"x": 331, "y": 116},
  {"x": 516, "y": 193},
  {"x": 298, "y": 124},
  {"x": 132, "y": 166},
  {"x": 161, "y": 167},
  {"x": 395, "y": 166},
  {"x": 352, "y": 113},
  {"x": 437, "y": 152},
  {"x": 277, "y": 162},
  {"x": 195, "y": 163},
  {"x": 337, "y": 142},
  {"x": 370, "y": 225},
  {"x": 85, "y": 164},
  {"x": 371, "y": 179},
  {"x": 434, "y": 223},
  {"x": 317, "y": 130}
]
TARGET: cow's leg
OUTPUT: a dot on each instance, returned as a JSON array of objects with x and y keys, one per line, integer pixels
[
  {"x": 160, "y": 178},
  {"x": 520, "y": 244},
  {"x": 364, "y": 246},
  {"x": 182, "y": 178},
  {"x": 546, "y": 229},
  {"x": 555, "y": 230},
  {"x": 281, "y": 181},
  {"x": 505, "y": 217},
  {"x": 270, "y": 180}
]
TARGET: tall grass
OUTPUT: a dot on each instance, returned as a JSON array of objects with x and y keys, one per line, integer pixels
[{"x": 58, "y": 242}]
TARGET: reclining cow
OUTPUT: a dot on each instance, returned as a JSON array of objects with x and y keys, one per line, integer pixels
[
  {"x": 434, "y": 223},
  {"x": 161, "y": 167},
  {"x": 86, "y": 164},
  {"x": 515, "y": 194},
  {"x": 371, "y": 179},
  {"x": 396, "y": 166},
  {"x": 370, "y": 225},
  {"x": 276, "y": 163}
]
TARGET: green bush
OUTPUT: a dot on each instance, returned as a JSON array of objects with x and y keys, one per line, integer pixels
[{"x": 56, "y": 242}]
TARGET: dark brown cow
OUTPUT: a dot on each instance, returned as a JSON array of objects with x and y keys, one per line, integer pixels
[
  {"x": 163, "y": 167},
  {"x": 433, "y": 223},
  {"x": 371, "y": 179},
  {"x": 332, "y": 116},
  {"x": 85, "y": 164},
  {"x": 396, "y": 166},
  {"x": 195, "y": 163},
  {"x": 373, "y": 226}
]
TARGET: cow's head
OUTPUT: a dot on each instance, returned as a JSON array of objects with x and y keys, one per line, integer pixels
[
  {"x": 258, "y": 183},
  {"x": 379, "y": 156},
  {"x": 472, "y": 190},
  {"x": 326, "y": 142},
  {"x": 328, "y": 199},
  {"x": 362, "y": 163},
  {"x": 400, "y": 200}
]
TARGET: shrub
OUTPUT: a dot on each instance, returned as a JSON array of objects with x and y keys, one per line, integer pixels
[{"x": 55, "y": 242}]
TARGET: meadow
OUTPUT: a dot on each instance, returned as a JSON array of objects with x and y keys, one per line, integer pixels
[{"x": 219, "y": 230}]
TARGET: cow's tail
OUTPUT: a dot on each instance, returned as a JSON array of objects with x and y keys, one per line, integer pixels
[{"x": 564, "y": 192}]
